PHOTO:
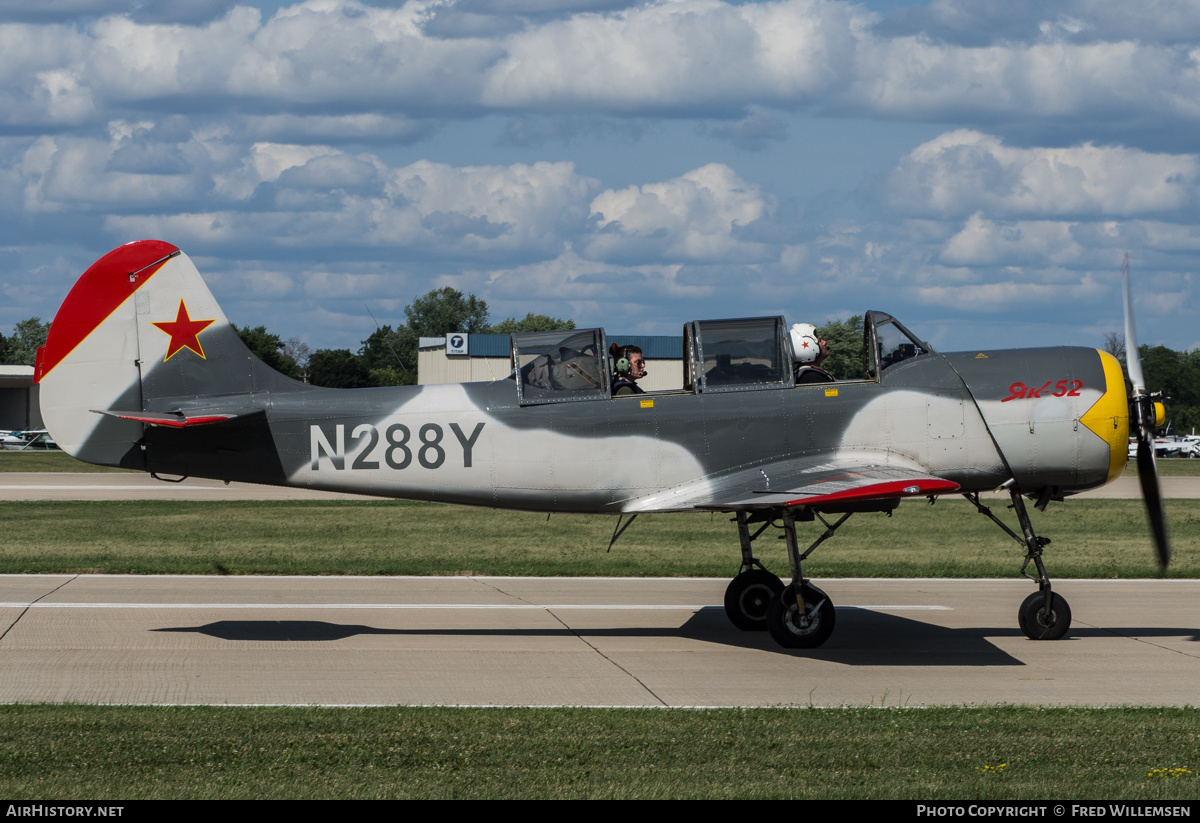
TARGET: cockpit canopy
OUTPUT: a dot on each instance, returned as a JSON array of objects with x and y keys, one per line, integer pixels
[
  {"x": 886, "y": 342},
  {"x": 744, "y": 354},
  {"x": 736, "y": 355},
  {"x": 560, "y": 366}
]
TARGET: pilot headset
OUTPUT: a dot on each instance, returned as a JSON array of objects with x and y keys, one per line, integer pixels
[{"x": 623, "y": 366}]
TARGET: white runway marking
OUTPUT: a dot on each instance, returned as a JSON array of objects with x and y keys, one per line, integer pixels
[
  {"x": 426, "y": 606},
  {"x": 66, "y": 487}
]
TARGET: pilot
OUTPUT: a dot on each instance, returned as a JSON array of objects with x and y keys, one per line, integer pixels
[
  {"x": 629, "y": 366},
  {"x": 809, "y": 351}
]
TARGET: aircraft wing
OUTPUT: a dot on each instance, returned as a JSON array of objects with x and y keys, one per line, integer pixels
[
  {"x": 800, "y": 483},
  {"x": 844, "y": 484}
]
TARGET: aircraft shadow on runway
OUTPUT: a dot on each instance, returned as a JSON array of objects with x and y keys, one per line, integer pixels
[{"x": 863, "y": 637}]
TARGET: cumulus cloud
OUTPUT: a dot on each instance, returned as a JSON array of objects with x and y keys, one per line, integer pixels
[
  {"x": 965, "y": 171},
  {"x": 980, "y": 22},
  {"x": 301, "y": 196},
  {"x": 410, "y": 63},
  {"x": 690, "y": 54},
  {"x": 693, "y": 217},
  {"x": 296, "y": 137}
]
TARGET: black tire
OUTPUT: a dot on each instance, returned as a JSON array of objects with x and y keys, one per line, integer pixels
[
  {"x": 1037, "y": 625},
  {"x": 786, "y": 630},
  {"x": 748, "y": 596}
]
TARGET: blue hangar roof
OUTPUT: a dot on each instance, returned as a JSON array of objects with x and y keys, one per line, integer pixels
[{"x": 653, "y": 346}]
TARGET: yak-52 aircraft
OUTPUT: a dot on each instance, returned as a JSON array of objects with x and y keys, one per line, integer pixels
[{"x": 142, "y": 370}]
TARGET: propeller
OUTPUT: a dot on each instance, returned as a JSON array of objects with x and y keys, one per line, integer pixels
[{"x": 1143, "y": 418}]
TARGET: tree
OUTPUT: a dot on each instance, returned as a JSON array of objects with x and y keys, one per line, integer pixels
[
  {"x": 296, "y": 352},
  {"x": 434, "y": 314},
  {"x": 267, "y": 347},
  {"x": 1114, "y": 344},
  {"x": 445, "y": 310},
  {"x": 5, "y": 357},
  {"x": 393, "y": 354},
  {"x": 337, "y": 369},
  {"x": 1177, "y": 376},
  {"x": 531, "y": 322},
  {"x": 28, "y": 335},
  {"x": 845, "y": 339}
]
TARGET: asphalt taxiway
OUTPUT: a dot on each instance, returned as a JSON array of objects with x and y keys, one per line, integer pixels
[{"x": 579, "y": 642}]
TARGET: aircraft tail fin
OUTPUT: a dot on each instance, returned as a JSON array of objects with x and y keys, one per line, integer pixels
[{"x": 140, "y": 339}]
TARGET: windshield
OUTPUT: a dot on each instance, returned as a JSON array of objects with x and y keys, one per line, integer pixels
[
  {"x": 892, "y": 343},
  {"x": 560, "y": 365}
]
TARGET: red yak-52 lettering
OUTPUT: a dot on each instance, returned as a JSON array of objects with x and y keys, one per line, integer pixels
[{"x": 1062, "y": 388}]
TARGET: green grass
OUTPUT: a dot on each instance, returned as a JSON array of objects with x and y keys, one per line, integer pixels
[
  {"x": 1091, "y": 538},
  {"x": 47, "y": 461},
  {"x": 1172, "y": 467},
  {"x": 127, "y": 753}
]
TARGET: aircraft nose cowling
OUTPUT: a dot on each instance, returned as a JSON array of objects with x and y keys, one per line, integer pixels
[
  {"x": 1058, "y": 415},
  {"x": 1109, "y": 416}
]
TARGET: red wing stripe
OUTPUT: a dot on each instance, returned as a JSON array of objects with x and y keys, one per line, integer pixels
[
  {"x": 879, "y": 491},
  {"x": 106, "y": 284},
  {"x": 177, "y": 422}
]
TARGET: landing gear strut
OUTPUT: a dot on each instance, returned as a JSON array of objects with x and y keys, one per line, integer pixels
[
  {"x": 1043, "y": 615},
  {"x": 798, "y": 616},
  {"x": 802, "y": 617}
]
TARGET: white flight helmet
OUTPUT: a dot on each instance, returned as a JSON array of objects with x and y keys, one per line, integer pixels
[{"x": 805, "y": 345}]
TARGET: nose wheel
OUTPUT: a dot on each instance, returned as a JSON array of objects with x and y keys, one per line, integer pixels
[{"x": 1041, "y": 623}]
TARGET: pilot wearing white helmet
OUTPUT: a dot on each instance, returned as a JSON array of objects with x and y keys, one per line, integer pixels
[{"x": 809, "y": 351}]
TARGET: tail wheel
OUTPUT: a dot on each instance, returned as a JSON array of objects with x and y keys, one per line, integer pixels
[
  {"x": 787, "y": 627},
  {"x": 1038, "y": 624},
  {"x": 748, "y": 597}
]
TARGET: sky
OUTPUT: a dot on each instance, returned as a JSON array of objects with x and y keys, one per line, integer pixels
[{"x": 976, "y": 169}]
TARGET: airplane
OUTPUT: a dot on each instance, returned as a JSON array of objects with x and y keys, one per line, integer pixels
[{"x": 142, "y": 370}]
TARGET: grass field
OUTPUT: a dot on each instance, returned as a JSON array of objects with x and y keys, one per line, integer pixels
[
  {"x": 98, "y": 753},
  {"x": 1091, "y": 538}
]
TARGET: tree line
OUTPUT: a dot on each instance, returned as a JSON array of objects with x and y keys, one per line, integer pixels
[
  {"x": 1174, "y": 374},
  {"x": 388, "y": 357}
]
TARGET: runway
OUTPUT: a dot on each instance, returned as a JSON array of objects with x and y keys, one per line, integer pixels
[{"x": 579, "y": 642}]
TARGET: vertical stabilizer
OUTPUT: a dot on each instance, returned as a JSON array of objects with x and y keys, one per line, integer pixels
[{"x": 139, "y": 331}]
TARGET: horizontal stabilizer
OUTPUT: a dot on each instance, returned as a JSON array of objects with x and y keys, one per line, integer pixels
[{"x": 185, "y": 419}]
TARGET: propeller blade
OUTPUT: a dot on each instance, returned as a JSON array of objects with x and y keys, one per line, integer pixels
[
  {"x": 1141, "y": 409},
  {"x": 1133, "y": 361},
  {"x": 1152, "y": 495}
]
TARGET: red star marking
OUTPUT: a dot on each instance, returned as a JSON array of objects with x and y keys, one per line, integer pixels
[
  {"x": 184, "y": 331},
  {"x": 804, "y": 345}
]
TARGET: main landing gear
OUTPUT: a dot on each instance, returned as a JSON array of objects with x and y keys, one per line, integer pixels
[
  {"x": 1043, "y": 615},
  {"x": 797, "y": 616},
  {"x": 801, "y": 616}
]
